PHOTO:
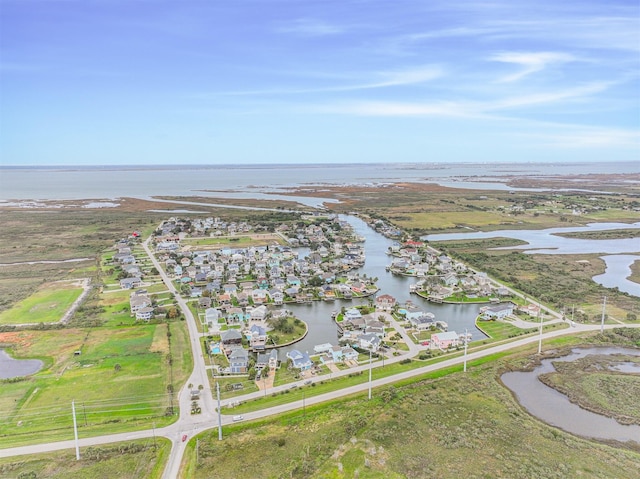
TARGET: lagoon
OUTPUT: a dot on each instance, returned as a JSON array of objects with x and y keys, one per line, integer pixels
[{"x": 555, "y": 408}]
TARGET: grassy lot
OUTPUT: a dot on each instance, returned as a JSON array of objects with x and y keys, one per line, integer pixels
[
  {"x": 130, "y": 364},
  {"x": 445, "y": 425},
  {"x": 235, "y": 241},
  {"x": 47, "y": 305},
  {"x": 124, "y": 460}
]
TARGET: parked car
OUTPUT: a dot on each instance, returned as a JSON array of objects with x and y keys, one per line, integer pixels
[
  {"x": 237, "y": 418},
  {"x": 184, "y": 437}
]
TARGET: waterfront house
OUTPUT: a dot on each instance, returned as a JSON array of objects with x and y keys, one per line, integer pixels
[
  {"x": 385, "y": 302},
  {"x": 259, "y": 313},
  {"x": 422, "y": 321},
  {"x": 352, "y": 314},
  {"x": 273, "y": 359},
  {"x": 499, "y": 311},
  {"x": 300, "y": 360},
  {"x": 444, "y": 341}
]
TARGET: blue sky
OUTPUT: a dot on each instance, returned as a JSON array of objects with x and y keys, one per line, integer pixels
[{"x": 309, "y": 81}]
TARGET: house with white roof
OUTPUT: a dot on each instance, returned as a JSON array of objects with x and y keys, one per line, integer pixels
[
  {"x": 300, "y": 360},
  {"x": 444, "y": 341}
]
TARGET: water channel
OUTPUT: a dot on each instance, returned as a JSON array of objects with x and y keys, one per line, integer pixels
[
  {"x": 548, "y": 241},
  {"x": 555, "y": 409},
  {"x": 14, "y": 368},
  {"x": 317, "y": 314}
]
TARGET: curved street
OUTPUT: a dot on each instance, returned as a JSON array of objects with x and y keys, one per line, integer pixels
[{"x": 190, "y": 425}]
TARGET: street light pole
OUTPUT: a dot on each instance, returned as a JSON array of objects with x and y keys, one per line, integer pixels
[{"x": 604, "y": 305}]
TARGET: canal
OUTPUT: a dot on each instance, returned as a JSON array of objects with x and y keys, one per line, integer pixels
[{"x": 317, "y": 314}]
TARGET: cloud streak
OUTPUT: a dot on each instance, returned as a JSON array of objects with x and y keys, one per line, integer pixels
[
  {"x": 530, "y": 62},
  {"x": 388, "y": 79}
]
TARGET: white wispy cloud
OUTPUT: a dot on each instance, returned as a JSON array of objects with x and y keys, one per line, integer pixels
[
  {"x": 529, "y": 62},
  {"x": 464, "y": 108},
  {"x": 399, "y": 109},
  {"x": 585, "y": 137},
  {"x": 311, "y": 27},
  {"x": 385, "y": 79},
  {"x": 548, "y": 97}
]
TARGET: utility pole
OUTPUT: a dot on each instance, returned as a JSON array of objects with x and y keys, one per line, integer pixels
[
  {"x": 75, "y": 429},
  {"x": 370, "y": 364},
  {"x": 604, "y": 305},
  {"x": 466, "y": 340},
  {"x": 540, "y": 340},
  {"x": 155, "y": 446},
  {"x": 219, "y": 413},
  {"x": 304, "y": 411}
]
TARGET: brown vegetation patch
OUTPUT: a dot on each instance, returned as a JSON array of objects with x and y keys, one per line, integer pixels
[{"x": 22, "y": 339}]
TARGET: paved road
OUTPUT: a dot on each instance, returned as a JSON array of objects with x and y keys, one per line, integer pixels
[
  {"x": 195, "y": 424},
  {"x": 190, "y": 425}
]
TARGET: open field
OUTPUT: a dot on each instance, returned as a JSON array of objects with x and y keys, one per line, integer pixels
[
  {"x": 427, "y": 208},
  {"x": 47, "y": 305},
  {"x": 73, "y": 232},
  {"x": 130, "y": 364},
  {"x": 124, "y": 460},
  {"x": 242, "y": 241},
  {"x": 446, "y": 425}
]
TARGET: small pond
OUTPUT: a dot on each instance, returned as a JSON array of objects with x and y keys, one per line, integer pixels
[
  {"x": 555, "y": 409},
  {"x": 13, "y": 368}
]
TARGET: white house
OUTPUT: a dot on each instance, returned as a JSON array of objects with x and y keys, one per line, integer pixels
[{"x": 499, "y": 311}]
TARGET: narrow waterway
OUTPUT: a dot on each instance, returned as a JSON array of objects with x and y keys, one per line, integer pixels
[
  {"x": 548, "y": 241},
  {"x": 317, "y": 315},
  {"x": 555, "y": 409}
]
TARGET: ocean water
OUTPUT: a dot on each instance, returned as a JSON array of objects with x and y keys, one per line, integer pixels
[{"x": 109, "y": 182}]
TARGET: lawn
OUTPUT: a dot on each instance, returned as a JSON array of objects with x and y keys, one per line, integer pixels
[{"x": 47, "y": 305}]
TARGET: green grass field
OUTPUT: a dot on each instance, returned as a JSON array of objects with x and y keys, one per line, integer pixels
[
  {"x": 119, "y": 381},
  {"x": 124, "y": 460},
  {"x": 47, "y": 305}
]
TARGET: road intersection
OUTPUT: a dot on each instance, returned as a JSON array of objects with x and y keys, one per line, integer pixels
[{"x": 191, "y": 424}]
